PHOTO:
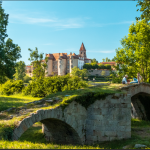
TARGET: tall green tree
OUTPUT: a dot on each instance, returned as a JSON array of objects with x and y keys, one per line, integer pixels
[
  {"x": 39, "y": 66},
  {"x": 80, "y": 73},
  {"x": 20, "y": 70},
  {"x": 103, "y": 60},
  {"x": 134, "y": 56},
  {"x": 145, "y": 9},
  {"x": 94, "y": 60},
  {"x": 9, "y": 52}
]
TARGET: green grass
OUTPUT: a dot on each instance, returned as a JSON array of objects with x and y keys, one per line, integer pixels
[{"x": 16, "y": 100}]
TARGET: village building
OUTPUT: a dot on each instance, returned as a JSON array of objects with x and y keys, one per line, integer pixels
[{"x": 61, "y": 63}]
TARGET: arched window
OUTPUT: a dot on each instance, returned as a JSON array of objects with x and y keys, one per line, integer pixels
[{"x": 81, "y": 52}]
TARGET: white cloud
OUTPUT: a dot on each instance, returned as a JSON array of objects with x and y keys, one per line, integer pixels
[{"x": 54, "y": 22}]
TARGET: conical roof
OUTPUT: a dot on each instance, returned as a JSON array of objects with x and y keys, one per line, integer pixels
[{"x": 82, "y": 48}]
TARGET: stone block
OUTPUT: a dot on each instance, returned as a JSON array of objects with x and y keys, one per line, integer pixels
[
  {"x": 27, "y": 123},
  {"x": 49, "y": 113},
  {"x": 98, "y": 133},
  {"x": 23, "y": 126},
  {"x": 110, "y": 133},
  {"x": 101, "y": 128},
  {"x": 18, "y": 131},
  {"x": 105, "y": 111},
  {"x": 89, "y": 131},
  {"x": 89, "y": 122},
  {"x": 15, "y": 137},
  {"x": 103, "y": 138},
  {"x": 33, "y": 118},
  {"x": 115, "y": 101},
  {"x": 37, "y": 118}
]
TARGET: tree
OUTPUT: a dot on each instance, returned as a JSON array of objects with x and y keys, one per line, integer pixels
[
  {"x": 20, "y": 70},
  {"x": 9, "y": 52},
  {"x": 94, "y": 60},
  {"x": 134, "y": 56},
  {"x": 145, "y": 9},
  {"x": 80, "y": 73},
  {"x": 39, "y": 66},
  {"x": 26, "y": 79},
  {"x": 103, "y": 60}
]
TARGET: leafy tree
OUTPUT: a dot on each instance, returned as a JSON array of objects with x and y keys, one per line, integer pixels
[
  {"x": 9, "y": 52},
  {"x": 20, "y": 70},
  {"x": 26, "y": 79},
  {"x": 94, "y": 60},
  {"x": 39, "y": 67},
  {"x": 145, "y": 9},
  {"x": 103, "y": 60},
  {"x": 134, "y": 56},
  {"x": 80, "y": 73}
]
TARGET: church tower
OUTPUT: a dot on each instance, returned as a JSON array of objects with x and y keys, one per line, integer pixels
[{"x": 82, "y": 51}]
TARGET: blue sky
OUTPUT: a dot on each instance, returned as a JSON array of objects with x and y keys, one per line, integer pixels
[{"x": 62, "y": 26}]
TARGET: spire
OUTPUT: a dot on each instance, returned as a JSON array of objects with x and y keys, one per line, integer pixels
[{"x": 82, "y": 48}]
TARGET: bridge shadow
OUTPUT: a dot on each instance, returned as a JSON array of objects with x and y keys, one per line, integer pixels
[{"x": 140, "y": 106}]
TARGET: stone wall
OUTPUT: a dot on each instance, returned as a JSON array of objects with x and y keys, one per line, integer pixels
[
  {"x": 98, "y": 72},
  {"x": 104, "y": 120}
]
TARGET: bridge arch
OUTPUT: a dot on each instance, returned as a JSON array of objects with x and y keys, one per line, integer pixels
[
  {"x": 140, "y": 99},
  {"x": 68, "y": 124}
]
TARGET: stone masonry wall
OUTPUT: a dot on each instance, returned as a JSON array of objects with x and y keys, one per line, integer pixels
[
  {"x": 94, "y": 72},
  {"x": 104, "y": 120}
]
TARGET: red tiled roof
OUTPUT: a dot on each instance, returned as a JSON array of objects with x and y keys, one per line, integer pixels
[
  {"x": 28, "y": 66},
  {"x": 82, "y": 48}
]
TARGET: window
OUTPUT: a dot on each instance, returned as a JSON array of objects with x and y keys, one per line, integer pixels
[
  {"x": 67, "y": 66},
  {"x": 81, "y": 52},
  {"x": 71, "y": 61},
  {"x": 68, "y": 61},
  {"x": 71, "y": 66},
  {"x": 84, "y": 52},
  {"x": 53, "y": 67}
]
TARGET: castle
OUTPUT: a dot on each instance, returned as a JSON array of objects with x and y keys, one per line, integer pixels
[{"x": 61, "y": 63}]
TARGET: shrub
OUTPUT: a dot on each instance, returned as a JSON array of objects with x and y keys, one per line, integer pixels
[
  {"x": 26, "y": 79},
  {"x": 11, "y": 87},
  {"x": 49, "y": 85}
]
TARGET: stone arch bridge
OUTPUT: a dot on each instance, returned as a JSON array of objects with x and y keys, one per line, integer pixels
[{"x": 104, "y": 120}]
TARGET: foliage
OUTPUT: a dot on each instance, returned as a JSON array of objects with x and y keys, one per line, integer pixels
[
  {"x": 80, "y": 73},
  {"x": 94, "y": 61},
  {"x": 11, "y": 87},
  {"x": 134, "y": 57},
  {"x": 20, "y": 70},
  {"x": 96, "y": 66},
  {"x": 9, "y": 52},
  {"x": 39, "y": 66},
  {"x": 115, "y": 77},
  {"x": 26, "y": 79},
  {"x": 45, "y": 86},
  {"x": 107, "y": 59},
  {"x": 145, "y": 9}
]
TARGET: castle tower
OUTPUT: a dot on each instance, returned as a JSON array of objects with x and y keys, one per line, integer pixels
[{"x": 82, "y": 51}]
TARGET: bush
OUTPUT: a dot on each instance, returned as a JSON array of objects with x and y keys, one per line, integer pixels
[
  {"x": 49, "y": 85},
  {"x": 115, "y": 77},
  {"x": 11, "y": 87},
  {"x": 26, "y": 79}
]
